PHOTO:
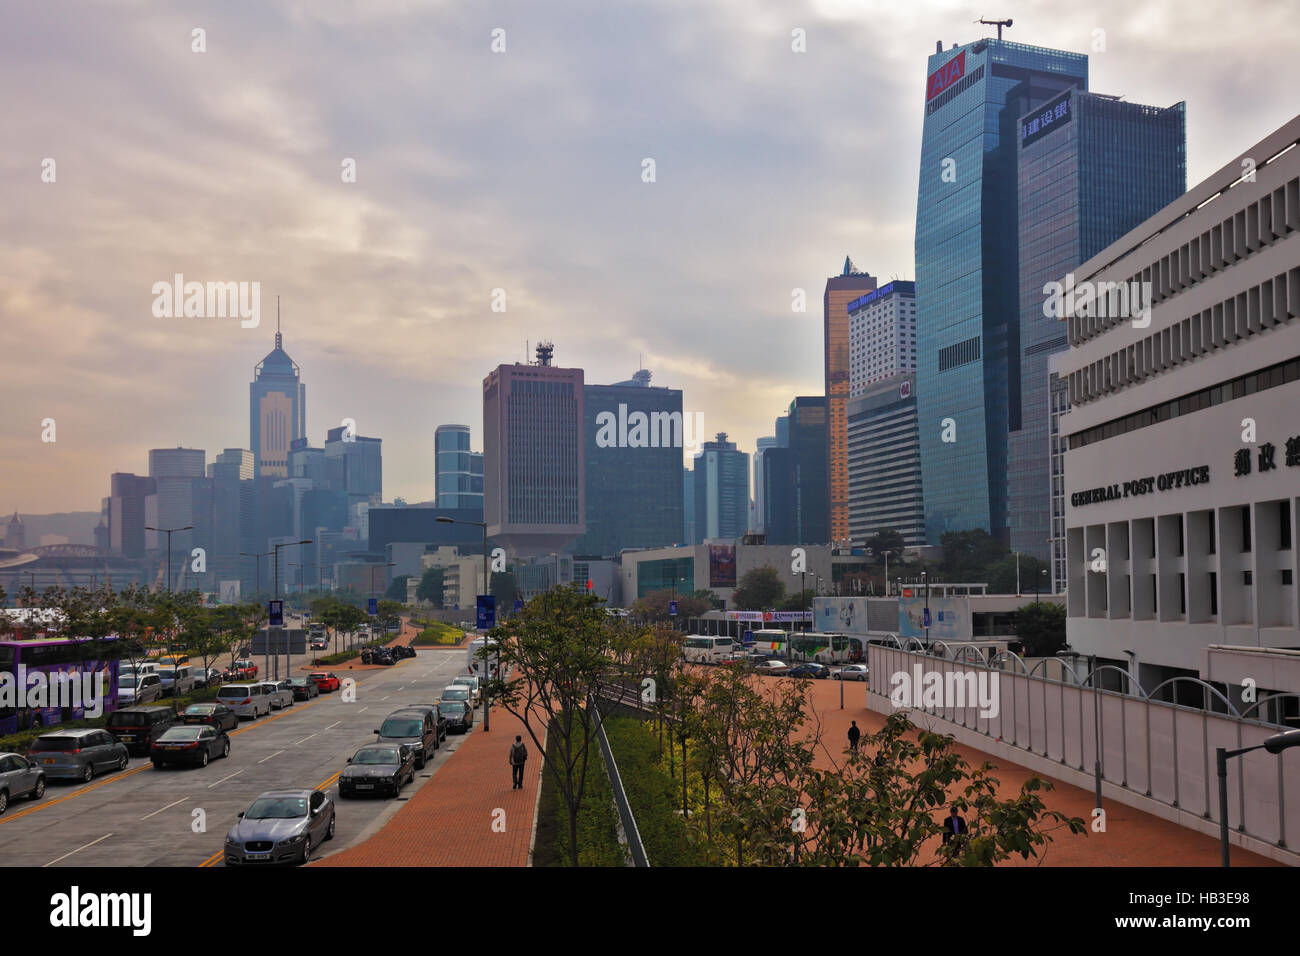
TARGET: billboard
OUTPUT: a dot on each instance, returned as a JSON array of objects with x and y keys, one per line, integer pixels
[
  {"x": 950, "y": 618},
  {"x": 229, "y": 592},
  {"x": 840, "y": 615},
  {"x": 722, "y": 565}
]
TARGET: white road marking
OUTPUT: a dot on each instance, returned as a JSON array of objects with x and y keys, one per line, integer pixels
[
  {"x": 269, "y": 756},
  {"x": 79, "y": 849},
  {"x": 225, "y": 778},
  {"x": 161, "y": 809},
  {"x": 308, "y": 737},
  {"x": 333, "y": 725}
]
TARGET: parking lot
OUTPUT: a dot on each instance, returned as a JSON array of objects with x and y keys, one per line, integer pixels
[{"x": 180, "y": 816}]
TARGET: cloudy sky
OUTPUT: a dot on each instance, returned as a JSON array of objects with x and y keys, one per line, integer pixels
[{"x": 476, "y": 170}]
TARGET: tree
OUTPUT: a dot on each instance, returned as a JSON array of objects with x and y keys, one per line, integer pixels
[
  {"x": 890, "y": 541},
  {"x": 654, "y": 606},
  {"x": 430, "y": 588},
  {"x": 397, "y": 589},
  {"x": 1001, "y": 575},
  {"x": 967, "y": 555},
  {"x": 388, "y": 613},
  {"x": 560, "y": 648},
  {"x": 759, "y": 589},
  {"x": 1040, "y": 627}
]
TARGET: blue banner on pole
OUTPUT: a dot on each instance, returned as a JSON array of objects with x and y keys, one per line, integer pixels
[
  {"x": 372, "y": 606},
  {"x": 925, "y": 618},
  {"x": 275, "y": 613},
  {"x": 519, "y": 605},
  {"x": 672, "y": 608},
  {"x": 486, "y": 612}
]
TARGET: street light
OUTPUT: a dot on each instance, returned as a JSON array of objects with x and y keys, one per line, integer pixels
[
  {"x": 1274, "y": 745},
  {"x": 168, "y": 532},
  {"x": 257, "y": 587},
  {"x": 275, "y": 550},
  {"x": 886, "y": 553},
  {"x": 925, "y": 579},
  {"x": 1037, "y": 582},
  {"x": 487, "y": 587},
  {"x": 375, "y": 568}
]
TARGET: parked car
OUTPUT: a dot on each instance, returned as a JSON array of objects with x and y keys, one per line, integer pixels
[
  {"x": 212, "y": 715},
  {"x": 377, "y": 768},
  {"x": 440, "y": 722},
  {"x": 19, "y": 777},
  {"x": 403, "y": 650},
  {"x": 140, "y": 667},
  {"x": 808, "y": 669},
  {"x": 473, "y": 683},
  {"x": 458, "y": 714},
  {"x": 242, "y": 669},
  {"x": 78, "y": 754},
  {"x": 207, "y": 678},
  {"x": 136, "y": 727},
  {"x": 325, "y": 681},
  {"x": 132, "y": 689},
  {"x": 851, "y": 672},
  {"x": 304, "y": 688},
  {"x": 178, "y": 680},
  {"x": 246, "y": 700},
  {"x": 195, "y": 745},
  {"x": 279, "y": 693},
  {"x": 458, "y": 692},
  {"x": 771, "y": 665},
  {"x": 281, "y": 826},
  {"x": 382, "y": 655},
  {"x": 415, "y": 732}
]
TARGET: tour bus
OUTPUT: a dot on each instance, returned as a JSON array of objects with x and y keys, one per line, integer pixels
[
  {"x": 72, "y": 676},
  {"x": 705, "y": 649},
  {"x": 827, "y": 648},
  {"x": 767, "y": 641}
]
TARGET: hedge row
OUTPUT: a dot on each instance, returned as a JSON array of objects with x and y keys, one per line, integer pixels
[{"x": 597, "y": 820}]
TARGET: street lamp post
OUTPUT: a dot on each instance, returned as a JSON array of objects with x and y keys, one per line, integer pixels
[
  {"x": 1038, "y": 581},
  {"x": 925, "y": 579},
  {"x": 257, "y": 589},
  {"x": 1274, "y": 745},
  {"x": 487, "y": 588},
  {"x": 390, "y": 564},
  {"x": 886, "y": 553},
  {"x": 275, "y": 550},
  {"x": 168, "y": 532}
]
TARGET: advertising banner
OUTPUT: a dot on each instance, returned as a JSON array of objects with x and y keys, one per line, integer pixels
[
  {"x": 950, "y": 618},
  {"x": 840, "y": 615},
  {"x": 722, "y": 565}
]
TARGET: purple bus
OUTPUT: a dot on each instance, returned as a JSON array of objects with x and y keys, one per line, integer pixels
[{"x": 71, "y": 677}]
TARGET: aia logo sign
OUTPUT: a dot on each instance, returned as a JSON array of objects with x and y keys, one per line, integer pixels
[{"x": 946, "y": 76}]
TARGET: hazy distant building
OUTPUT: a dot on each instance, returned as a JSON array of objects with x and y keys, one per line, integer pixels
[
  {"x": 756, "y": 523},
  {"x": 721, "y": 489},
  {"x": 15, "y": 536},
  {"x": 178, "y": 475},
  {"x": 127, "y": 511},
  {"x": 277, "y": 412},
  {"x": 359, "y": 463},
  {"x": 458, "y": 471},
  {"x": 534, "y": 496},
  {"x": 795, "y": 508}
]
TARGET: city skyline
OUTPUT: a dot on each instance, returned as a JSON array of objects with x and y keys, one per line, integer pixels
[{"x": 228, "y": 170}]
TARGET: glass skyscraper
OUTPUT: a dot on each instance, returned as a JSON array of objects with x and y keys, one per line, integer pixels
[
  {"x": 458, "y": 472},
  {"x": 1091, "y": 167},
  {"x": 967, "y": 273}
]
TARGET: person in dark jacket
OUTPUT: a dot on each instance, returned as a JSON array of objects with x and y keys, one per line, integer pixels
[
  {"x": 854, "y": 734},
  {"x": 953, "y": 827},
  {"x": 518, "y": 754}
]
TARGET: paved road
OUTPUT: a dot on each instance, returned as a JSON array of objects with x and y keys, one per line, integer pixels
[{"x": 147, "y": 817}]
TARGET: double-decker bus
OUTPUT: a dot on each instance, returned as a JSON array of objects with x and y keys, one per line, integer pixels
[
  {"x": 77, "y": 677},
  {"x": 706, "y": 649},
  {"x": 827, "y": 648}
]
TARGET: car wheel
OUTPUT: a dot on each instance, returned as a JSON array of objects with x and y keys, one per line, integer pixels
[
  {"x": 203, "y": 759},
  {"x": 225, "y": 750},
  {"x": 329, "y": 834},
  {"x": 4, "y": 801},
  {"x": 121, "y": 764},
  {"x": 88, "y": 774},
  {"x": 39, "y": 790},
  {"x": 157, "y": 764},
  {"x": 306, "y": 848}
]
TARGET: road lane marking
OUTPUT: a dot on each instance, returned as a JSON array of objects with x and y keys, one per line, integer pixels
[
  {"x": 225, "y": 778},
  {"x": 161, "y": 809},
  {"x": 363, "y": 710},
  {"x": 78, "y": 850},
  {"x": 385, "y": 697},
  {"x": 213, "y": 859},
  {"x": 333, "y": 725},
  {"x": 10, "y": 817},
  {"x": 329, "y": 780},
  {"x": 304, "y": 740},
  {"x": 269, "y": 756}
]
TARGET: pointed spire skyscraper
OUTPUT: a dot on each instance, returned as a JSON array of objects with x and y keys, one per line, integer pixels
[{"x": 277, "y": 408}]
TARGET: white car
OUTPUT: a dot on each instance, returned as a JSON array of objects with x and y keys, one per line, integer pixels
[
  {"x": 770, "y": 667},
  {"x": 246, "y": 700},
  {"x": 851, "y": 672},
  {"x": 458, "y": 692},
  {"x": 472, "y": 682},
  {"x": 138, "y": 690},
  {"x": 279, "y": 693},
  {"x": 178, "y": 680}
]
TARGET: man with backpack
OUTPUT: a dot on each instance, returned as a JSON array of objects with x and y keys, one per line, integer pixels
[{"x": 518, "y": 754}]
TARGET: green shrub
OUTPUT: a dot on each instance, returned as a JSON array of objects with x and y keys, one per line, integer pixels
[{"x": 597, "y": 822}]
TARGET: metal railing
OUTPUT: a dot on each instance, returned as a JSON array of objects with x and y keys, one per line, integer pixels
[{"x": 625, "y": 815}]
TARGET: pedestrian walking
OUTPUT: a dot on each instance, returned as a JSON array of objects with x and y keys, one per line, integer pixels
[
  {"x": 854, "y": 735},
  {"x": 954, "y": 827},
  {"x": 518, "y": 754}
]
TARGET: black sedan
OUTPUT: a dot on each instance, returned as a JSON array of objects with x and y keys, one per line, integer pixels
[
  {"x": 809, "y": 669},
  {"x": 218, "y": 716},
  {"x": 377, "y": 768},
  {"x": 304, "y": 688},
  {"x": 458, "y": 714},
  {"x": 196, "y": 745}
]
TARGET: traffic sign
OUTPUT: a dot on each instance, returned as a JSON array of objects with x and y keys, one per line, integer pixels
[
  {"x": 275, "y": 613},
  {"x": 372, "y": 606}
]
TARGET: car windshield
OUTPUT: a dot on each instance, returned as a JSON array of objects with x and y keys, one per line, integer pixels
[
  {"x": 402, "y": 727},
  {"x": 298, "y": 681},
  {"x": 200, "y": 709},
  {"x": 377, "y": 755},
  {"x": 277, "y": 808},
  {"x": 43, "y": 744},
  {"x": 466, "y": 681},
  {"x": 181, "y": 733},
  {"x": 451, "y": 707},
  {"x": 319, "y": 676},
  {"x": 455, "y": 693}
]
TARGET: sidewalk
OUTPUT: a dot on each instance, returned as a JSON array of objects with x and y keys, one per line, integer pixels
[
  {"x": 1132, "y": 837},
  {"x": 457, "y": 817}
]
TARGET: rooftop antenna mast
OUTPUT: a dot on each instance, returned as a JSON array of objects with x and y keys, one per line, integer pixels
[{"x": 996, "y": 23}]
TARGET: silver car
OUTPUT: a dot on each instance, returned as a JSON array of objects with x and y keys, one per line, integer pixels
[
  {"x": 178, "y": 680},
  {"x": 279, "y": 693},
  {"x": 472, "y": 682},
  {"x": 457, "y": 692},
  {"x": 138, "y": 689},
  {"x": 281, "y": 826},
  {"x": 246, "y": 700},
  {"x": 77, "y": 754},
  {"x": 851, "y": 672},
  {"x": 19, "y": 777}
]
